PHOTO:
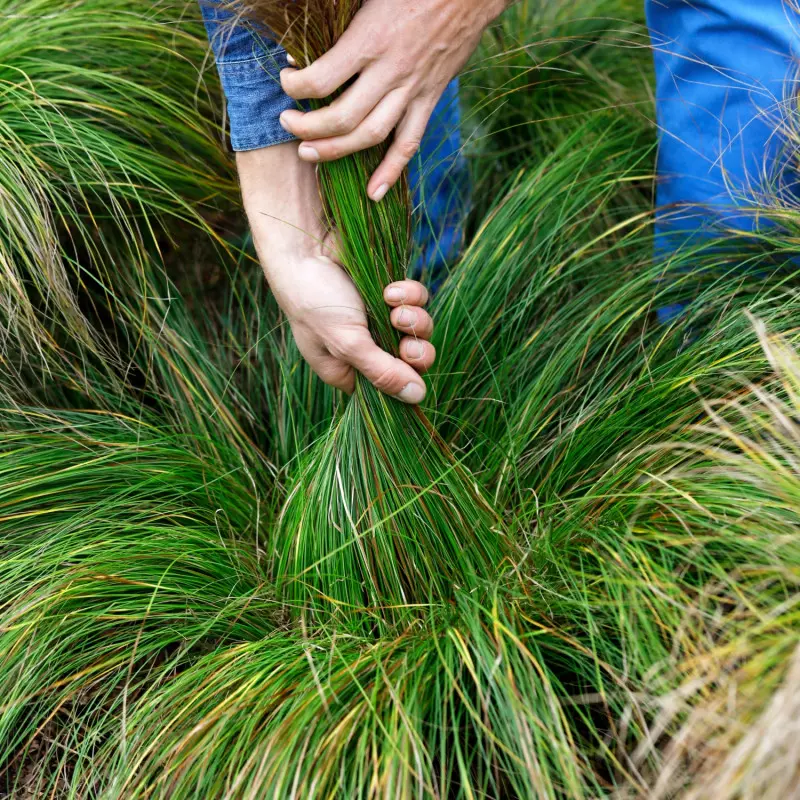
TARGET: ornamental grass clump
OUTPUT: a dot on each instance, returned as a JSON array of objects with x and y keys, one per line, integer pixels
[
  {"x": 643, "y": 645},
  {"x": 382, "y": 514},
  {"x": 106, "y": 149}
]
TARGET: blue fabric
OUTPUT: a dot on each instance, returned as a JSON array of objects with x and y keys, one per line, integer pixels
[
  {"x": 721, "y": 79},
  {"x": 439, "y": 179},
  {"x": 249, "y": 65}
]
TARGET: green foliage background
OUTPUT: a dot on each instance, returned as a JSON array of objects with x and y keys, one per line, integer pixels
[{"x": 154, "y": 413}]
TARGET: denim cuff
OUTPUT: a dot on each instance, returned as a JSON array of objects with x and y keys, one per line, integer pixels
[{"x": 249, "y": 65}]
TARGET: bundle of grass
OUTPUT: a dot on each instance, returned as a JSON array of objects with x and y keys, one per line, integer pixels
[{"x": 382, "y": 516}]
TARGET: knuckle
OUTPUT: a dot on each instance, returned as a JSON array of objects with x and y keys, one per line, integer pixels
[
  {"x": 407, "y": 148},
  {"x": 341, "y": 120},
  {"x": 386, "y": 381},
  {"x": 344, "y": 346},
  {"x": 376, "y": 131},
  {"x": 330, "y": 151},
  {"x": 376, "y": 42},
  {"x": 403, "y": 66},
  {"x": 315, "y": 86},
  {"x": 298, "y": 126},
  {"x": 290, "y": 85}
]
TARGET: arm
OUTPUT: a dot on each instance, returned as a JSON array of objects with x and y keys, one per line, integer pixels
[
  {"x": 321, "y": 303},
  {"x": 404, "y": 53},
  {"x": 283, "y": 206}
]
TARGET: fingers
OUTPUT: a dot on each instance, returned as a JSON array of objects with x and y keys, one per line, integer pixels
[
  {"x": 342, "y": 116},
  {"x": 406, "y": 143},
  {"x": 374, "y": 129},
  {"x": 417, "y": 353},
  {"x": 326, "y": 74},
  {"x": 388, "y": 374},
  {"x": 413, "y": 321},
  {"x": 410, "y": 293},
  {"x": 408, "y": 316}
]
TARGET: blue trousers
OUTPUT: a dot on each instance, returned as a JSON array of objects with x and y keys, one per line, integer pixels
[
  {"x": 724, "y": 71},
  {"x": 439, "y": 180},
  {"x": 725, "y": 77}
]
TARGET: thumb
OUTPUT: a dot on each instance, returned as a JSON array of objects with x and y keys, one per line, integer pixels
[{"x": 388, "y": 374}]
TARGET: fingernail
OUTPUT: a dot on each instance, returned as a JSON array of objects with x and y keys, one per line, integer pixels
[
  {"x": 407, "y": 318},
  {"x": 380, "y": 192},
  {"x": 395, "y": 294},
  {"x": 307, "y": 152},
  {"x": 412, "y": 394},
  {"x": 291, "y": 61},
  {"x": 282, "y": 121},
  {"x": 416, "y": 350}
]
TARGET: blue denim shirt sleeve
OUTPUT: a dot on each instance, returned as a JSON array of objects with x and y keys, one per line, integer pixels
[{"x": 249, "y": 66}]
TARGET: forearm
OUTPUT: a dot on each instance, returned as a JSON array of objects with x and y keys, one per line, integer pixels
[{"x": 281, "y": 199}]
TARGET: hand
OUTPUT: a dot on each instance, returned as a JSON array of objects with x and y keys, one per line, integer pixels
[
  {"x": 329, "y": 324},
  {"x": 405, "y": 52},
  {"x": 322, "y": 305}
]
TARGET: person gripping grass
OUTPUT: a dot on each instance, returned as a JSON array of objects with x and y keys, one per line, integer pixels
[
  {"x": 721, "y": 88},
  {"x": 406, "y": 77}
]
